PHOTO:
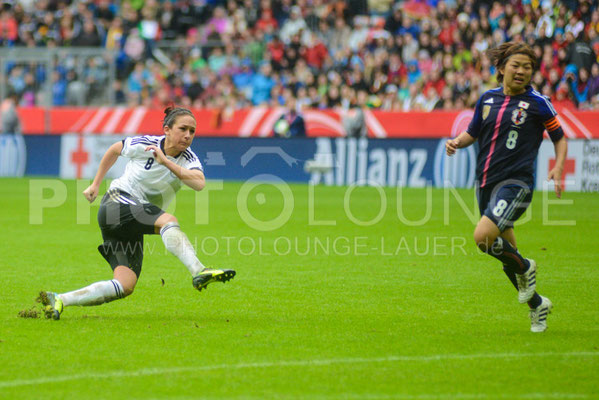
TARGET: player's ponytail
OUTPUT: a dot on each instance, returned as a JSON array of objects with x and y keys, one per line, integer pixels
[
  {"x": 171, "y": 113},
  {"x": 499, "y": 55}
]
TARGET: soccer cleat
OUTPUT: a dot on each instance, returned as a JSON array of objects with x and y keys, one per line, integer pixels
[
  {"x": 52, "y": 304},
  {"x": 527, "y": 282},
  {"x": 538, "y": 316},
  {"x": 208, "y": 276}
]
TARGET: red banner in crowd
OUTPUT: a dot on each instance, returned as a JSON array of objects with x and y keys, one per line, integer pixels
[{"x": 259, "y": 122}]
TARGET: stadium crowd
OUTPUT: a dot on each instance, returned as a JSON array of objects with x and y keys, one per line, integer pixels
[{"x": 409, "y": 55}]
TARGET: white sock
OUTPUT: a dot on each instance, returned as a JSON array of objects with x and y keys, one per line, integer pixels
[
  {"x": 177, "y": 243},
  {"x": 94, "y": 294}
]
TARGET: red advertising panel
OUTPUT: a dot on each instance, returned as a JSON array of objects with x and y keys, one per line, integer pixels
[{"x": 259, "y": 122}]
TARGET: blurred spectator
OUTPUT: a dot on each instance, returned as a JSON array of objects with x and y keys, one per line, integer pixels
[
  {"x": 8, "y": 28},
  {"x": 139, "y": 78},
  {"x": 561, "y": 97},
  {"x": 166, "y": 20},
  {"x": 594, "y": 81},
  {"x": 219, "y": 25},
  {"x": 255, "y": 48},
  {"x": 409, "y": 48},
  {"x": 276, "y": 50},
  {"x": 217, "y": 59},
  {"x": 59, "y": 89},
  {"x": 339, "y": 37},
  {"x": 115, "y": 35},
  {"x": 76, "y": 90},
  {"x": 89, "y": 36},
  {"x": 16, "y": 80},
  {"x": 47, "y": 29},
  {"x": 134, "y": 45},
  {"x": 119, "y": 94},
  {"x": 354, "y": 122},
  {"x": 393, "y": 21},
  {"x": 8, "y": 114},
  {"x": 580, "y": 88},
  {"x": 294, "y": 25},
  {"x": 580, "y": 53},
  {"x": 358, "y": 35},
  {"x": 250, "y": 12},
  {"x": 105, "y": 12},
  {"x": 194, "y": 88},
  {"x": 291, "y": 123},
  {"x": 95, "y": 76},
  {"x": 316, "y": 52},
  {"x": 262, "y": 84},
  {"x": 266, "y": 23}
]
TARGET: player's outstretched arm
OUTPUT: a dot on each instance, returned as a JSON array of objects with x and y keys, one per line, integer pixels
[
  {"x": 463, "y": 140},
  {"x": 108, "y": 160},
  {"x": 561, "y": 151}
]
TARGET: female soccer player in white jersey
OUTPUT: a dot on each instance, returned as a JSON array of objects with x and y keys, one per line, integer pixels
[
  {"x": 508, "y": 123},
  {"x": 133, "y": 207}
]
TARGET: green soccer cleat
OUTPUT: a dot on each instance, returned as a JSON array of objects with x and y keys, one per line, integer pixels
[
  {"x": 52, "y": 304},
  {"x": 207, "y": 276}
]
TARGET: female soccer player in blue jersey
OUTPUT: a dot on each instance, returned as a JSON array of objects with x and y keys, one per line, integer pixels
[
  {"x": 133, "y": 207},
  {"x": 508, "y": 124}
]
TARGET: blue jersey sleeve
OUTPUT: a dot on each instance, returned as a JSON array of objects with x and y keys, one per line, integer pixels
[
  {"x": 477, "y": 119},
  {"x": 549, "y": 117}
]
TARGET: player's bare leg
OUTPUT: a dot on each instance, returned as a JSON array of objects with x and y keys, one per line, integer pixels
[{"x": 127, "y": 278}]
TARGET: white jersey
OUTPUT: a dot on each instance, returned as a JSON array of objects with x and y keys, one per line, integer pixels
[{"x": 145, "y": 178}]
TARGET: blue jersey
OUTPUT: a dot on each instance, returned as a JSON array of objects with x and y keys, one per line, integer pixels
[{"x": 509, "y": 130}]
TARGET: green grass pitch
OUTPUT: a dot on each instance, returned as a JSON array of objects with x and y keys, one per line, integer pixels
[{"x": 333, "y": 299}]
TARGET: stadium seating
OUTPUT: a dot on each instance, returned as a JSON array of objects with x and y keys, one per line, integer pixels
[{"x": 415, "y": 55}]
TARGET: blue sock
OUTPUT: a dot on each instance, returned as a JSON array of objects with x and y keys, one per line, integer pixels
[
  {"x": 535, "y": 301},
  {"x": 511, "y": 276},
  {"x": 504, "y": 252}
]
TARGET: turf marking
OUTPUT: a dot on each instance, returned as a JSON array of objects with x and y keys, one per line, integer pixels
[
  {"x": 290, "y": 363},
  {"x": 375, "y": 396}
]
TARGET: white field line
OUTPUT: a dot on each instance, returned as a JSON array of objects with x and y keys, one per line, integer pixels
[
  {"x": 278, "y": 364},
  {"x": 398, "y": 396},
  {"x": 456, "y": 396}
]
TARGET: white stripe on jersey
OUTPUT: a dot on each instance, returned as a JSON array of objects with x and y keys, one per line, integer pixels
[{"x": 549, "y": 105}]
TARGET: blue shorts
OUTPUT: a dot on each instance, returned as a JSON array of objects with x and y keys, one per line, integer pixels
[{"x": 504, "y": 202}]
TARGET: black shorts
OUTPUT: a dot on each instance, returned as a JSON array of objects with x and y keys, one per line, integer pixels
[
  {"x": 504, "y": 202},
  {"x": 124, "y": 221}
]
